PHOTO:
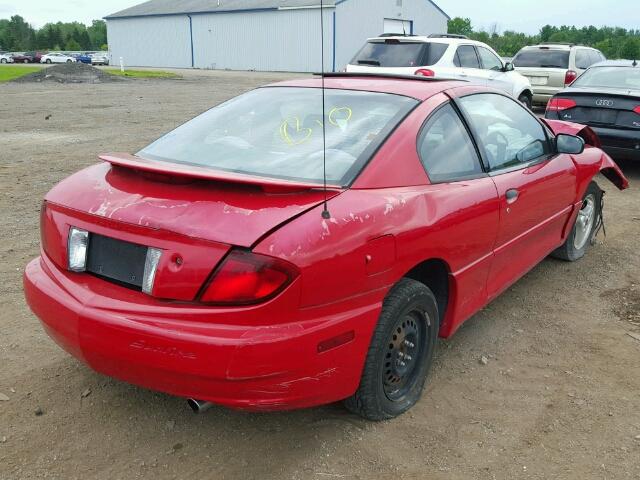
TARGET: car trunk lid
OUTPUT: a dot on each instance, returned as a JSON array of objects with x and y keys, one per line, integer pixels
[
  {"x": 215, "y": 206},
  {"x": 194, "y": 221},
  {"x": 602, "y": 109}
]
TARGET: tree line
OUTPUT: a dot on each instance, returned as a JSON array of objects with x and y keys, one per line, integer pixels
[
  {"x": 614, "y": 42},
  {"x": 16, "y": 35}
]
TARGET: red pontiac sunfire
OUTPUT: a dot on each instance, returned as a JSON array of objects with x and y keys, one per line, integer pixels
[{"x": 206, "y": 266}]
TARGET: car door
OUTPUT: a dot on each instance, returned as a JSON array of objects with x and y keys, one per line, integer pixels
[
  {"x": 536, "y": 187},
  {"x": 462, "y": 207},
  {"x": 466, "y": 58},
  {"x": 493, "y": 67}
]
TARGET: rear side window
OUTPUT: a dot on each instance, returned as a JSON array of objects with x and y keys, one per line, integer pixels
[
  {"x": 595, "y": 56},
  {"x": 489, "y": 60},
  {"x": 509, "y": 135},
  {"x": 466, "y": 57},
  {"x": 445, "y": 148},
  {"x": 583, "y": 59},
  {"x": 393, "y": 53},
  {"x": 542, "y": 58}
]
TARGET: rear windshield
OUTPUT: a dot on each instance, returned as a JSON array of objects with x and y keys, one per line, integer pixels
[
  {"x": 394, "y": 53},
  {"x": 276, "y": 132},
  {"x": 542, "y": 58},
  {"x": 610, "y": 77}
]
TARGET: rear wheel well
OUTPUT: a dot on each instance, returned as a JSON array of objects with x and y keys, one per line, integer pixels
[{"x": 434, "y": 274}]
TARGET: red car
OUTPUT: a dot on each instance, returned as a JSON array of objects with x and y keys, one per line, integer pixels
[
  {"x": 214, "y": 265},
  {"x": 28, "y": 57}
]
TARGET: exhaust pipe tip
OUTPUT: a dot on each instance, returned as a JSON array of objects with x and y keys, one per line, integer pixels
[{"x": 199, "y": 406}]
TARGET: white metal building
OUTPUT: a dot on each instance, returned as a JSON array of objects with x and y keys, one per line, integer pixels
[{"x": 263, "y": 35}]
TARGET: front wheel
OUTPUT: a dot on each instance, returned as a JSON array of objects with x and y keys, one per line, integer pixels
[
  {"x": 69, "y": 61},
  {"x": 400, "y": 354},
  {"x": 525, "y": 99},
  {"x": 3, "y": 60},
  {"x": 48, "y": 60},
  {"x": 587, "y": 222}
]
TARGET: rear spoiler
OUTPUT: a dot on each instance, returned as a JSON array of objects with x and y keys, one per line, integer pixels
[{"x": 133, "y": 162}]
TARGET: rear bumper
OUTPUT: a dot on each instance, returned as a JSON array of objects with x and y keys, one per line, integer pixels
[
  {"x": 183, "y": 351},
  {"x": 542, "y": 98},
  {"x": 619, "y": 144}
]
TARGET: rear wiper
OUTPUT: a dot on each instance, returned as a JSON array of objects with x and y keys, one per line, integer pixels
[
  {"x": 550, "y": 66},
  {"x": 375, "y": 63}
]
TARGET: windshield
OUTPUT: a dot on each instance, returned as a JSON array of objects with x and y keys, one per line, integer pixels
[
  {"x": 542, "y": 58},
  {"x": 610, "y": 77},
  {"x": 276, "y": 132},
  {"x": 393, "y": 53}
]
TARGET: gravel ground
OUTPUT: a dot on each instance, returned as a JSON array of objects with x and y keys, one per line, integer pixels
[{"x": 557, "y": 398}]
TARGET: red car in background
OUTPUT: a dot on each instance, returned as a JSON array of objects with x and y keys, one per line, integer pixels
[
  {"x": 214, "y": 265},
  {"x": 28, "y": 57}
]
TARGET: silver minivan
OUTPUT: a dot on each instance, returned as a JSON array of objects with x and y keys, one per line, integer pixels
[{"x": 551, "y": 67}]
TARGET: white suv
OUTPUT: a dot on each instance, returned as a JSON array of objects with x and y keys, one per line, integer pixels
[{"x": 450, "y": 56}]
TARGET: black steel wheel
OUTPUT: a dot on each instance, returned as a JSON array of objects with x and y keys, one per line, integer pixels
[
  {"x": 400, "y": 353},
  {"x": 404, "y": 352}
]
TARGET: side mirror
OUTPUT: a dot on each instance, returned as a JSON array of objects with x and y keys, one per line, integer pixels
[
  {"x": 508, "y": 67},
  {"x": 569, "y": 144}
]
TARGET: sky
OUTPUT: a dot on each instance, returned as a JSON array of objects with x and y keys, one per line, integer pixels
[{"x": 520, "y": 15}]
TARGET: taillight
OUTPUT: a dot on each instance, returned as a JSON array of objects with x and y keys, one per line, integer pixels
[
  {"x": 246, "y": 278},
  {"x": 569, "y": 77},
  {"x": 637, "y": 109},
  {"x": 559, "y": 104},
  {"x": 425, "y": 72}
]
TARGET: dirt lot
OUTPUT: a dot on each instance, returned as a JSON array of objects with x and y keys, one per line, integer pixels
[{"x": 559, "y": 397}]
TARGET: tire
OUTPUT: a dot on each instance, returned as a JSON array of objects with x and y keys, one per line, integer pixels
[
  {"x": 3, "y": 60},
  {"x": 583, "y": 231},
  {"x": 25, "y": 61},
  {"x": 526, "y": 100},
  {"x": 400, "y": 354},
  {"x": 69, "y": 61}
]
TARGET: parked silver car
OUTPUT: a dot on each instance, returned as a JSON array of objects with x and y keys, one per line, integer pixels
[
  {"x": 551, "y": 67},
  {"x": 6, "y": 57}
]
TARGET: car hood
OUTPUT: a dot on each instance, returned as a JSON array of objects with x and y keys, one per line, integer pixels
[{"x": 217, "y": 210}]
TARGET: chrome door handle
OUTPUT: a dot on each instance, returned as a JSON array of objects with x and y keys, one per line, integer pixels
[{"x": 512, "y": 195}]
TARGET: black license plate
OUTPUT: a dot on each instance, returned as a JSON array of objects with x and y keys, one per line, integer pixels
[
  {"x": 116, "y": 260},
  {"x": 601, "y": 116}
]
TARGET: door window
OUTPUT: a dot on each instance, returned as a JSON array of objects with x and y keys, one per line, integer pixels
[
  {"x": 466, "y": 57},
  {"x": 506, "y": 132},
  {"x": 489, "y": 60},
  {"x": 445, "y": 148}
]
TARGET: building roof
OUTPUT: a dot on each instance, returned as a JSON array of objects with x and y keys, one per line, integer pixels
[
  {"x": 184, "y": 7},
  {"x": 173, "y": 7}
]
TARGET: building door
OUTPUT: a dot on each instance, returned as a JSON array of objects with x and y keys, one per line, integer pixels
[{"x": 392, "y": 25}]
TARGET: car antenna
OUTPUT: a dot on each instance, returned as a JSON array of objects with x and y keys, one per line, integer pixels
[{"x": 325, "y": 211}]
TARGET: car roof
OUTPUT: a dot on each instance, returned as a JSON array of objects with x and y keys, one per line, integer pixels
[
  {"x": 617, "y": 63},
  {"x": 555, "y": 46},
  {"x": 425, "y": 39},
  {"x": 416, "y": 87}
]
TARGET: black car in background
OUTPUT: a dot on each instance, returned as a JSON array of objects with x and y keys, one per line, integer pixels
[{"x": 607, "y": 98}]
